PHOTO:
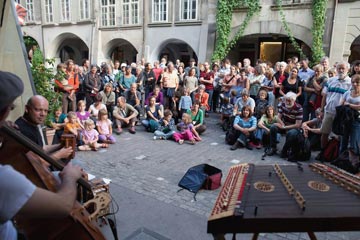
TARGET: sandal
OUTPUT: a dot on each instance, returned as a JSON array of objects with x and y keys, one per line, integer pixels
[
  {"x": 193, "y": 141},
  {"x": 181, "y": 141},
  {"x": 104, "y": 145}
]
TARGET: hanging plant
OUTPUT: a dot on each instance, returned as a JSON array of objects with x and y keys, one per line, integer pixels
[
  {"x": 288, "y": 30},
  {"x": 318, "y": 12},
  {"x": 223, "y": 24}
]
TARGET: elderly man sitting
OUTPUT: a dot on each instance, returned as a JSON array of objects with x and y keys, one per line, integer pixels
[
  {"x": 291, "y": 114},
  {"x": 124, "y": 115}
]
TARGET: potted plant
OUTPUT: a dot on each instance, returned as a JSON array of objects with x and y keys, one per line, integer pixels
[{"x": 43, "y": 77}]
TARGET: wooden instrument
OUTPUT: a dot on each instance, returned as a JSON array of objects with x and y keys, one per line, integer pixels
[
  {"x": 303, "y": 198},
  {"x": 69, "y": 140},
  {"x": 21, "y": 153}
]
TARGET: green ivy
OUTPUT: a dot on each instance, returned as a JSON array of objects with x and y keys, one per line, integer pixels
[
  {"x": 43, "y": 80},
  {"x": 288, "y": 30},
  {"x": 318, "y": 12},
  {"x": 223, "y": 24}
]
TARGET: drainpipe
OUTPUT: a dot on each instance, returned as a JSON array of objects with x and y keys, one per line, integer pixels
[
  {"x": 333, "y": 28},
  {"x": 143, "y": 31}
]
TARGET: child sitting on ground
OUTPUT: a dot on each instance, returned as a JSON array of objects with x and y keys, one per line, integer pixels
[
  {"x": 73, "y": 126},
  {"x": 187, "y": 131},
  {"x": 166, "y": 126},
  {"x": 90, "y": 137},
  {"x": 82, "y": 114},
  {"x": 104, "y": 127},
  {"x": 261, "y": 104},
  {"x": 57, "y": 122},
  {"x": 226, "y": 110}
]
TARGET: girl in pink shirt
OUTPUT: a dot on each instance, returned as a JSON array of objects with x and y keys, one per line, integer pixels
[{"x": 104, "y": 127}]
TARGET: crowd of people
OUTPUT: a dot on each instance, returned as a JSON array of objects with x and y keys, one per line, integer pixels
[{"x": 172, "y": 100}]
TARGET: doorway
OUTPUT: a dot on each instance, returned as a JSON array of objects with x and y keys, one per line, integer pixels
[{"x": 271, "y": 51}]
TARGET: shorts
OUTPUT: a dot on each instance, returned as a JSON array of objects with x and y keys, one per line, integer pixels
[{"x": 326, "y": 126}]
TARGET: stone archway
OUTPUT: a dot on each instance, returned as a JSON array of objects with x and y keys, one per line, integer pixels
[
  {"x": 173, "y": 49},
  {"x": 70, "y": 46},
  {"x": 355, "y": 50},
  {"x": 121, "y": 50},
  {"x": 267, "y": 47}
]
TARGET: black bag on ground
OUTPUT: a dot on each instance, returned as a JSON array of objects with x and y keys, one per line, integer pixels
[
  {"x": 203, "y": 176},
  {"x": 344, "y": 163},
  {"x": 300, "y": 148},
  {"x": 231, "y": 136}
]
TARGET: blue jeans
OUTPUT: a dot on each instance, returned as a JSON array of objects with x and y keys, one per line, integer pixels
[
  {"x": 210, "y": 92},
  {"x": 168, "y": 135}
]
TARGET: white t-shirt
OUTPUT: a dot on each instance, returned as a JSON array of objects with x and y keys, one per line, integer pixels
[
  {"x": 16, "y": 190},
  {"x": 94, "y": 111}
]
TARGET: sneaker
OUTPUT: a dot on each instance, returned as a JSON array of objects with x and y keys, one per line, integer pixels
[
  {"x": 249, "y": 147},
  {"x": 132, "y": 130},
  {"x": 318, "y": 157},
  {"x": 155, "y": 137},
  {"x": 118, "y": 131},
  {"x": 271, "y": 152},
  {"x": 181, "y": 141},
  {"x": 192, "y": 141},
  {"x": 236, "y": 145}
]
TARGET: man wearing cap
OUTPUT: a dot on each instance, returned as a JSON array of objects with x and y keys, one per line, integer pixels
[
  {"x": 20, "y": 197},
  {"x": 291, "y": 114}
]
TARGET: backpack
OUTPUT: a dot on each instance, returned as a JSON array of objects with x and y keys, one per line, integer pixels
[
  {"x": 203, "y": 176},
  {"x": 231, "y": 136},
  {"x": 344, "y": 163},
  {"x": 300, "y": 148},
  {"x": 331, "y": 150}
]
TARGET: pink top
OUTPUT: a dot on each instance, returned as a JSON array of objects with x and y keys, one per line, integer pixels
[
  {"x": 82, "y": 117},
  {"x": 90, "y": 135},
  {"x": 104, "y": 125}
]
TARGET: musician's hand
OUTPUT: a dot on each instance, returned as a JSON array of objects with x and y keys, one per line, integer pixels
[
  {"x": 64, "y": 152},
  {"x": 71, "y": 172}
]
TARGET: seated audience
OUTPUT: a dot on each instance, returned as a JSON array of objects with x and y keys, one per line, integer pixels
[
  {"x": 104, "y": 127},
  {"x": 108, "y": 98},
  {"x": 57, "y": 122},
  {"x": 125, "y": 115},
  {"x": 95, "y": 107},
  {"x": 166, "y": 127},
  {"x": 153, "y": 115},
  {"x": 186, "y": 131},
  {"x": 81, "y": 114},
  {"x": 133, "y": 97},
  {"x": 244, "y": 100},
  {"x": 311, "y": 130},
  {"x": 197, "y": 117},
  {"x": 245, "y": 123},
  {"x": 90, "y": 137},
  {"x": 203, "y": 98}
]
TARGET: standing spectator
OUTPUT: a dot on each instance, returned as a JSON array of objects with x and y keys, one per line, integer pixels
[
  {"x": 352, "y": 99},
  {"x": 80, "y": 94},
  {"x": 192, "y": 64},
  {"x": 255, "y": 81},
  {"x": 92, "y": 85},
  {"x": 279, "y": 78},
  {"x": 127, "y": 79},
  {"x": 149, "y": 79},
  {"x": 326, "y": 64},
  {"x": 185, "y": 102},
  {"x": 207, "y": 78},
  {"x": 305, "y": 73},
  {"x": 203, "y": 98},
  {"x": 191, "y": 82},
  {"x": 332, "y": 93},
  {"x": 169, "y": 84},
  {"x": 312, "y": 91},
  {"x": 68, "y": 96},
  {"x": 217, "y": 87},
  {"x": 292, "y": 84},
  {"x": 268, "y": 85},
  {"x": 157, "y": 72}
]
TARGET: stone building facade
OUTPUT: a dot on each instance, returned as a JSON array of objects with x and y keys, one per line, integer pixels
[{"x": 128, "y": 30}]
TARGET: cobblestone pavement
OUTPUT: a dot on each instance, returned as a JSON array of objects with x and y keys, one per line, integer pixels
[{"x": 153, "y": 169}]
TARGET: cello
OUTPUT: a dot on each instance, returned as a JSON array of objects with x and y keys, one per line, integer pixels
[{"x": 25, "y": 157}]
